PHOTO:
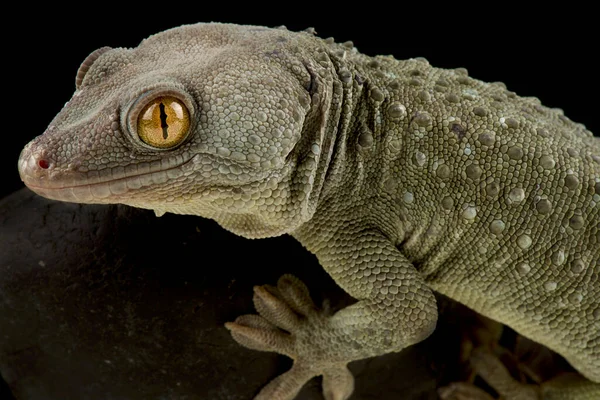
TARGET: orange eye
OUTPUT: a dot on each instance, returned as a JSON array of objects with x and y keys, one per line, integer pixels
[{"x": 164, "y": 122}]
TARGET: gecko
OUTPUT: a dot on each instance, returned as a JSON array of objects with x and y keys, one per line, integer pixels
[{"x": 402, "y": 178}]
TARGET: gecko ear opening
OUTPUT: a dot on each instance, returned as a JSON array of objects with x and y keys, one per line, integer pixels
[{"x": 87, "y": 63}]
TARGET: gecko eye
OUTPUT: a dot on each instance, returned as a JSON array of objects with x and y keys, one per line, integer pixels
[{"x": 164, "y": 122}]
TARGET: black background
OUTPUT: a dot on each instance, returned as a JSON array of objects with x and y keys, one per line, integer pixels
[{"x": 546, "y": 52}]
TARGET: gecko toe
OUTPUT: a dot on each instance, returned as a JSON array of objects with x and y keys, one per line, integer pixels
[
  {"x": 255, "y": 321},
  {"x": 296, "y": 294},
  {"x": 270, "y": 306},
  {"x": 287, "y": 385},
  {"x": 256, "y": 333},
  {"x": 338, "y": 383}
]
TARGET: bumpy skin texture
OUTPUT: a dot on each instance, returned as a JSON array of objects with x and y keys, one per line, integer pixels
[{"x": 400, "y": 177}]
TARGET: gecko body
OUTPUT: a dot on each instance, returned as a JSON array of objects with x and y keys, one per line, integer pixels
[{"x": 401, "y": 178}]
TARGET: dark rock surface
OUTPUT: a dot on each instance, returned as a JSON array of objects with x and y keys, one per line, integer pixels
[{"x": 110, "y": 302}]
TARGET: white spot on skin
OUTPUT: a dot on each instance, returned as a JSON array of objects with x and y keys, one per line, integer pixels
[
  {"x": 408, "y": 197},
  {"x": 558, "y": 258},
  {"x": 516, "y": 195},
  {"x": 550, "y": 286},
  {"x": 497, "y": 226},
  {"x": 41, "y": 263},
  {"x": 420, "y": 158},
  {"x": 469, "y": 213},
  {"x": 524, "y": 241}
]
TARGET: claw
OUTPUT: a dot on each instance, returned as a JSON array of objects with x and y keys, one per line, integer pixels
[
  {"x": 296, "y": 294},
  {"x": 256, "y": 333},
  {"x": 274, "y": 310}
]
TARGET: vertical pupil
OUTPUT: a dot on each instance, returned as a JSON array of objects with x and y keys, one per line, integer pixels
[{"x": 163, "y": 120}]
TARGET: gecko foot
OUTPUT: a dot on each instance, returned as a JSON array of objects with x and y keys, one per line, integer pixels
[
  {"x": 491, "y": 369},
  {"x": 289, "y": 323}
]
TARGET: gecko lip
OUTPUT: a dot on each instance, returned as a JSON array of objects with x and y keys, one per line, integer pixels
[
  {"x": 95, "y": 186},
  {"x": 106, "y": 186}
]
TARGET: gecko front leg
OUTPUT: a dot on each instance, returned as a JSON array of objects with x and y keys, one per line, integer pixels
[{"x": 395, "y": 309}]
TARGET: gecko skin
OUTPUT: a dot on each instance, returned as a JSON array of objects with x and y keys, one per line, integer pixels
[{"x": 402, "y": 178}]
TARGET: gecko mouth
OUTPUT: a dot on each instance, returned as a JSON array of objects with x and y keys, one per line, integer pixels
[
  {"x": 114, "y": 185},
  {"x": 104, "y": 186}
]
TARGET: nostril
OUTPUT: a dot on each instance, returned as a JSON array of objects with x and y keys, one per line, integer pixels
[{"x": 43, "y": 164}]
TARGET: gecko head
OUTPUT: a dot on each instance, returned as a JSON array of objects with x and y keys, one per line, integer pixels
[{"x": 221, "y": 121}]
